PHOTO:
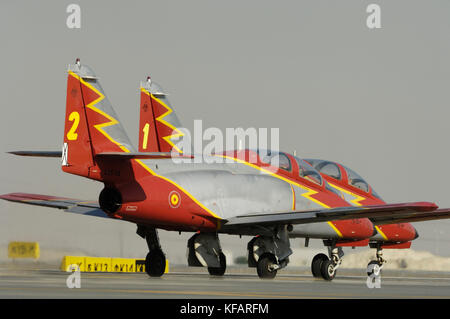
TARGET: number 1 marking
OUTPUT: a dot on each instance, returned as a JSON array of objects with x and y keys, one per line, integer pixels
[{"x": 145, "y": 139}]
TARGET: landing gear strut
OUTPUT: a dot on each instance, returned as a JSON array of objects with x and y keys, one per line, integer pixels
[
  {"x": 155, "y": 262},
  {"x": 324, "y": 267},
  {"x": 375, "y": 266}
]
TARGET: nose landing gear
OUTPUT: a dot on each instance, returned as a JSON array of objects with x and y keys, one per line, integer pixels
[
  {"x": 324, "y": 267},
  {"x": 375, "y": 266}
]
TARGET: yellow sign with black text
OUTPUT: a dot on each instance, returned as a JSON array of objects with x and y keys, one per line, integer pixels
[{"x": 18, "y": 249}]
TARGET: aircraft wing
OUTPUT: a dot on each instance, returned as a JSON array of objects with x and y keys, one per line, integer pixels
[
  {"x": 437, "y": 214},
  {"x": 403, "y": 210},
  {"x": 88, "y": 208}
]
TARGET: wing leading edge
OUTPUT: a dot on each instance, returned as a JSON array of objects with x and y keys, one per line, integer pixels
[{"x": 380, "y": 212}]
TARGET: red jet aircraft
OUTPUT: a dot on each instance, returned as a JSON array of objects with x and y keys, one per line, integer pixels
[{"x": 161, "y": 189}]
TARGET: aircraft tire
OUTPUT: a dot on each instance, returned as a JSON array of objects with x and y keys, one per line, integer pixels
[
  {"x": 317, "y": 263},
  {"x": 264, "y": 262},
  {"x": 219, "y": 271},
  {"x": 327, "y": 270},
  {"x": 155, "y": 263}
]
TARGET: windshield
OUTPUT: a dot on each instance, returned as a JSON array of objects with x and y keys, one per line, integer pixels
[
  {"x": 325, "y": 167},
  {"x": 305, "y": 170},
  {"x": 276, "y": 159},
  {"x": 355, "y": 180}
]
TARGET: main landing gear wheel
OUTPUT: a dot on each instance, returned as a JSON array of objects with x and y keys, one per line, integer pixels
[
  {"x": 219, "y": 271},
  {"x": 328, "y": 270},
  {"x": 317, "y": 263},
  {"x": 266, "y": 266},
  {"x": 155, "y": 263}
]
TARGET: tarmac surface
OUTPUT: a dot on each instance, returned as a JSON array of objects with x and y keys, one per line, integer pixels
[{"x": 185, "y": 283}]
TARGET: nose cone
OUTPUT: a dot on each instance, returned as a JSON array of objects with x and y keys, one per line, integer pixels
[{"x": 416, "y": 233}]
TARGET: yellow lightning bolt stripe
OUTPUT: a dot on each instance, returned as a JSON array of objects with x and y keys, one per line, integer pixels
[
  {"x": 381, "y": 233},
  {"x": 355, "y": 201},
  {"x": 112, "y": 121},
  {"x": 307, "y": 194},
  {"x": 161, "y": 120}
]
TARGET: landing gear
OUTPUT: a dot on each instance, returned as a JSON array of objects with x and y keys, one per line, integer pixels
[
  {"x": 328, "y": 270},
  {"x": 269, "y": 253},
  {"x": 375, "y": 266},
  {"x": 324, "y": 267},
  {"x": 316, "y": 264},
  {"x": 155, "y": 262},
  {"x": 203, "y": 250},
  {"x": 219, "y": 271},
  {"x": 267, "y": 266}
]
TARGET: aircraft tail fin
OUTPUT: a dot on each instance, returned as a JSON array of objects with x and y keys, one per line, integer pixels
[
  {"x": 91, "y": 125},
  {"x": 159, "y": 126}
]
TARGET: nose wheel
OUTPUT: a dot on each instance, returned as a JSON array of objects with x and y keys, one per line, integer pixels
[
  {"x": 324, "y": 267},
  {"x": 375, "y": 266},
  {"x": 316, "y": 265}
]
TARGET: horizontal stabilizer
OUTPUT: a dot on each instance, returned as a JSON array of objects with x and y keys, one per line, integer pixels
[
  {"x": 38, "y": 153},
  {"x": 139, "y": 155},
  {"x": 89, "y": 208}
]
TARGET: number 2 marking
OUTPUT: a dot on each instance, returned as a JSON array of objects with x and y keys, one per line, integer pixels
[{"x": 75, "y": 118}]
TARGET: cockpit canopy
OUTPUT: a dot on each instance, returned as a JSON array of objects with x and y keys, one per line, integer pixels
[
  {"x": 281, "y": 160},
  {"x": 333, "y": 170},
  {"x": 308, "y": 172}
]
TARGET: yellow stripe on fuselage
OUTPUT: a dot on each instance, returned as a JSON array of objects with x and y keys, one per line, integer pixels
[{"x": 355, "y": 201}]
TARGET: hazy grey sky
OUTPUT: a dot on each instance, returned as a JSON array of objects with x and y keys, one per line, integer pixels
[{"x": 375, "y": 100}]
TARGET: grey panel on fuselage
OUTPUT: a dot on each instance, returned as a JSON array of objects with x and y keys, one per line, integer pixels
[
  {"x": 232, "y": 189},
  {"x": 232, "y": 195}
]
